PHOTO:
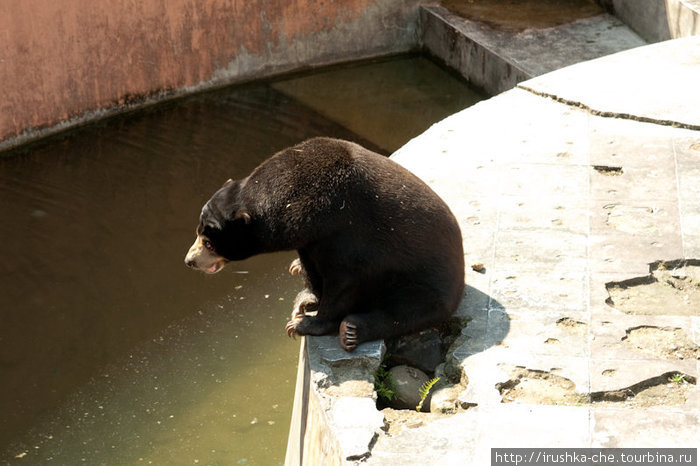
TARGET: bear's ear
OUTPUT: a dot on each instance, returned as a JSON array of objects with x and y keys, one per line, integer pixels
[
  {"x": 228, "y": 183},
  {"x": 242, "y": 214}
]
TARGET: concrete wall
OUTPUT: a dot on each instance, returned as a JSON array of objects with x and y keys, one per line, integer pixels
[
  {"x": 69, "y": 61},
  {"x": 311, "y": 437},
  {"x": 658, "y": 20},
  {"x": 335, "y": 419},
  {"x": 445, "y": 36}
]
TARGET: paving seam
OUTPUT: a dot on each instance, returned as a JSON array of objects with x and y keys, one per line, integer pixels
[{"x": 609, "y": 114}]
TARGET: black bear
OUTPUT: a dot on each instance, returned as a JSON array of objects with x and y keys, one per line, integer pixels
[{"x": 380, "y": 252}]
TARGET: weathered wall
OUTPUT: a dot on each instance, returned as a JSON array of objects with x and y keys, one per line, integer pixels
[
  {"x": 68, "y": 61},
  {"x": 311, "y": 437},
  {"x": 658, "y": 20},
  {"x": 335, "y": 419}
]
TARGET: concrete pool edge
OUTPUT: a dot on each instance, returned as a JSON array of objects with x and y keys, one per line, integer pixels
[
  {"x": 334, "y": 415},
  {"x": 573, "y": 138}
]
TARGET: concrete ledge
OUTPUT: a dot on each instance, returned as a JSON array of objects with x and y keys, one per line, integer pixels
[
  {"x": 455, "y": 41},
  {"x": 630, "y": 88},
  {"x": 525, "y": 174},
  {"x": 496, "y": 60},
  {"x": 657, "y": 21},
  {"x": 559, "y": 203},
  {"x": 335, "y": 420}
]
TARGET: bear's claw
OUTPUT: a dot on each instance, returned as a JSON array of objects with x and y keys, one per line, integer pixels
[
  {"x": 300, "y": 310},
  {"x": 297, "y": 314},
  {"x": 295, "y": 267},
  {"x": 291, "y": 328}
]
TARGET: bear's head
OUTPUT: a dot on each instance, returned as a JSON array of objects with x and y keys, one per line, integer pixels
[{"x": 224, "y": 232}]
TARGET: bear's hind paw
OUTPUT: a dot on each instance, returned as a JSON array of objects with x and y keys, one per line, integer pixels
[{"x": 348, "y": 336}]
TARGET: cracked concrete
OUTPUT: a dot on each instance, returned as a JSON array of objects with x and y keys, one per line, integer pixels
[
  {"x": 662, "y": 342},
  {"x": 671, "y": 288},
  {"x": 539, "y": 387},
  {"x": 583, "y": 223},
  {"x": 548, "y": 388},
  {"x": 607, "y": 95}
]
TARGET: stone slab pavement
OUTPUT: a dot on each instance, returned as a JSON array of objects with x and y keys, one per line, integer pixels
[{"x": 579, "y": 192}]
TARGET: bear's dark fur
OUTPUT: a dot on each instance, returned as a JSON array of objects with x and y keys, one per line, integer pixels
[{"x": 380, "y": 252}]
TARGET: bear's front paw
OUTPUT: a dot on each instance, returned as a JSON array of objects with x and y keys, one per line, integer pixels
[
  {"x": 305, "y": 302},
  {"x": 297, "y": 313},
  {"x": 348, "y": 336},
  {"x": 295, "y": 267}
]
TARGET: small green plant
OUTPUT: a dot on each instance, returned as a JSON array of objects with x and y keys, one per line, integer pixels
[
  {"x": 678, "y": 378},
  {"x": 384, "y": 384},
  {"x": 424, "y": 390}
]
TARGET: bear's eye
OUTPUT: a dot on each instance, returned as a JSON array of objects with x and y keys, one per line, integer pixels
[{"x": 208, "y": 245}]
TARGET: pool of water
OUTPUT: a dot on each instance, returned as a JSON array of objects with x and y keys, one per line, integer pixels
[{"x": 112, "y": 351}]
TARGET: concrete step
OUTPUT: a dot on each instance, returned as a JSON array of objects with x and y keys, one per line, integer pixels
[
  {"x": 657, "y": 21},
  {"x": 496, "y": 59}
]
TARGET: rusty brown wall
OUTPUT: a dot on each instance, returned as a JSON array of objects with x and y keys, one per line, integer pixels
[{"x": 64, "y": 62}]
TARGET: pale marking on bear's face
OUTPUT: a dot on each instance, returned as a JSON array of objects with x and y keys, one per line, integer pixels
[{"x": 202, "y": 256}]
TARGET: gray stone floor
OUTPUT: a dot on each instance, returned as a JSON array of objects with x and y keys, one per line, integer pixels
[{"x": 564, "y": 187}]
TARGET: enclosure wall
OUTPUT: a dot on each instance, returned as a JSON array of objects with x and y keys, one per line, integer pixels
[{"x": 70, "y": 61}]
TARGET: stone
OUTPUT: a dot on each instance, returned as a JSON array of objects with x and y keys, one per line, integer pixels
[
  {"x": 423, "y": 350},
  {"x": 649, "y": 427},
  {"x": 368, "y": 355},
  {"x": 444, "y": 399},
  {"x": 407, "y": 382},
  {"x": 356, "y": 421}
]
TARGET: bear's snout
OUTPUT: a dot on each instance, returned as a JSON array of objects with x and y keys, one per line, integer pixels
[{"x": 201, "y": 257}]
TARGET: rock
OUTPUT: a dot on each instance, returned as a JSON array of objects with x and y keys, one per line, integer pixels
[
  {"x": 444, "y": 399},
  {"x": 423, "y": 350},
  {"x": 367, "y": 356},
  {"x": 407, "y": 382},
  {"x": 355, "y": 421},
  {"x": 337, "y": 373}
]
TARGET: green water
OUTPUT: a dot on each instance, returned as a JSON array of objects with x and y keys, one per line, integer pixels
[{"x": 113, "y": 352}]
